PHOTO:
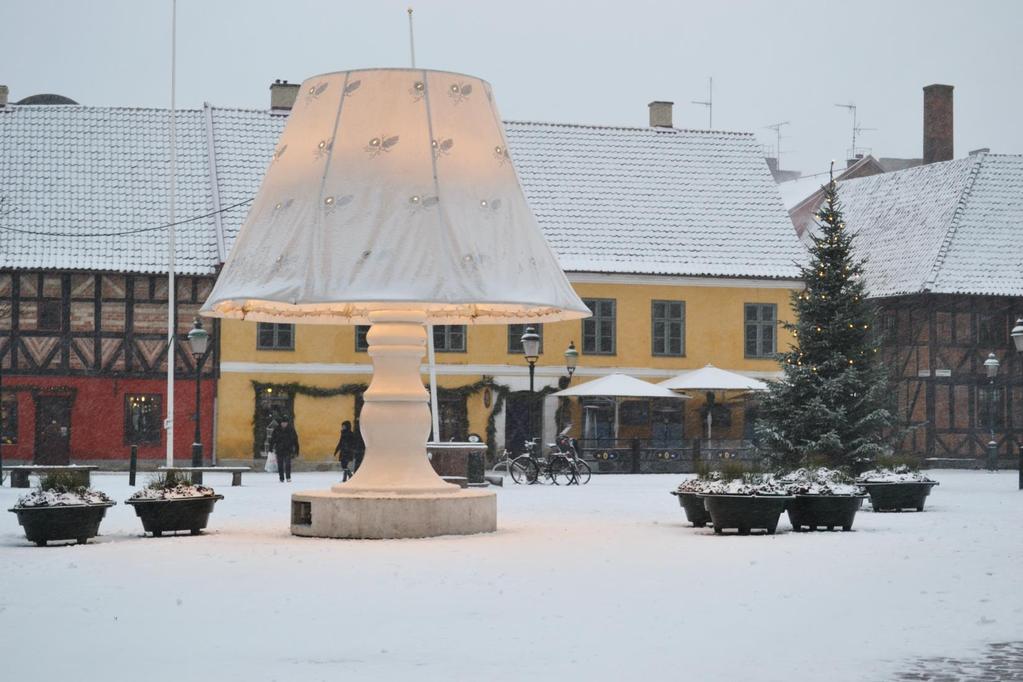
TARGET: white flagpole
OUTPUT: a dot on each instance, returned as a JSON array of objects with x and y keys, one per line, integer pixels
[
  {"x": 431, "y": 356},
  {"x": 434, "y": 389},
  {"x": 171, "y": 293}
]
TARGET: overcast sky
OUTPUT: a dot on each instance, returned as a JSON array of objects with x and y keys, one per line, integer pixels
[{"x": 591, "y": 61}]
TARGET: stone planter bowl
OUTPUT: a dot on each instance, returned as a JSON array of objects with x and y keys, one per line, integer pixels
[
  {"x": 811, "y": 512},
  {"x": 886, "y": 496},
  {"x": 77, "y": 522},
  {"x": 745, "y": 512},
  {"x": 168, "y": 516},
  {"x": 695, "y": 511}
]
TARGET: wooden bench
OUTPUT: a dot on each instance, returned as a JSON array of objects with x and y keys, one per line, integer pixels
[
  {"x": 20, "y": 472},
  {"x": 197, "y": 472}
]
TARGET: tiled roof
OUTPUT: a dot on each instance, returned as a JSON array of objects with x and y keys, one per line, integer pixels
[
  {"x": 71, "y": 171},
  {"x": 621, "y": 200},
  {"x": 954, "y": 227},
  {"x": 650, "y": 200}
]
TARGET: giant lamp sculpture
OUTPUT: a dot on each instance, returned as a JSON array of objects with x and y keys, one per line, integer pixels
[{"x": 391, "y": 200}]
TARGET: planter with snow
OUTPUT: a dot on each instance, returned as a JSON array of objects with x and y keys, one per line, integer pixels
[
  {"x": 896, "y": 489},
  {"x": 688, "y": 498},
  {"x": 745, "y": 506},
  {"x": 824, "y": 498},
  {"x": 59, "y": 511},
  {"x": 170, "y": 505}
]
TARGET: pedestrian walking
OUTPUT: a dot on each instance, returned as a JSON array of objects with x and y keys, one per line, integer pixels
[
  {"x": 345, "y": 450},
  {"x": 285, "y": 444}
]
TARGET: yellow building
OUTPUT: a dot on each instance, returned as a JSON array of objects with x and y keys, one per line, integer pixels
[{"x": 677, "y": 240}]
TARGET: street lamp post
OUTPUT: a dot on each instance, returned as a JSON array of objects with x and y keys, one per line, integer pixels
[
  {"x": 531, "y": 351},
  {"x": 991, "y": 367},
  {"x": 571, "y": 359},
  {"x": 198, "y": 340},
  {"x": 1017, "y": 338}
]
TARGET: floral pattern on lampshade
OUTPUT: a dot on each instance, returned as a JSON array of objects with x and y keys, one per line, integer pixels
[
  {"x": 418, "y": 91},
  {"x": 419, "y": 202},
  {"x": 315, "y": 90},
  {"x": 381, "y": 144},
  {"x": 323, "y": 148},
  {"x": 442, "y": 147},
  {"x": 335, "y": 201},
  {"x": 459, "y": 91}
]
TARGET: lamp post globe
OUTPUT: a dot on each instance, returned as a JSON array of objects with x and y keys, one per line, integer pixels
[
  {"x": 531, "y": 351},
  {"x": 1017, "y": 338},
  {"x": 198, "y": 341},
  {"x": 991, "y": 366},
  {"x": 1017, "y": 335},
  {"x": 571, "y": 359}
]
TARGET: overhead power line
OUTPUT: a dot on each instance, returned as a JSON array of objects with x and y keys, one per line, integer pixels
[{"x": 126, "y": 232}]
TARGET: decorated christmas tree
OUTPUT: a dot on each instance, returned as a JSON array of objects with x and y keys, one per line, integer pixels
[{"x": 833, "y": 405}]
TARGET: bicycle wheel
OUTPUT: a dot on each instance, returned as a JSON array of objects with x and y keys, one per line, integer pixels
[
  {"x": 561, "y": 471},
  {"x": 582, "y": 472},
  {"x": 523, "y": 470}
]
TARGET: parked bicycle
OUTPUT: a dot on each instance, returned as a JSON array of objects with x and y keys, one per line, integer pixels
[{"x": 561, "y": 466}]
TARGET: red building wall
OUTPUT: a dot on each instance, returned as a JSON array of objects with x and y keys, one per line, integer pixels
[{"x": 98, "y": 416}]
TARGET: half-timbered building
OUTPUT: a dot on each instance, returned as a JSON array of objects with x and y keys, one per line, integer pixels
[
  {"x": 943, "y": 244},
  {"x": 84, "y": 204}
]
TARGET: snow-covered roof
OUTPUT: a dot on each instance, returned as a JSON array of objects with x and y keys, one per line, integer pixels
[
  {"x": 616, "y": 200},
  {"x": 954, "y": 227},
  {"x": 655, "y": 200},
  {"x": 72, "y": 172}
]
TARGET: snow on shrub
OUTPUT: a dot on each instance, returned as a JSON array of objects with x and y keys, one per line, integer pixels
[
  {"x": 700, "y": 483},
  {"x": 171, "y": 486},
  {"x": 897, "y": 474},
  {"x": 748, "y": 485},
  {"x": 61, "y": 490},
  {"x": 820, "y": 481}
]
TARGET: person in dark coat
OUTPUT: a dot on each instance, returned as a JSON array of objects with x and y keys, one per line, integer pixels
[
  {"x": 285, "y": 444},
  {"x": 345, "y": 450},
  {"x": 360, "y": 446}
]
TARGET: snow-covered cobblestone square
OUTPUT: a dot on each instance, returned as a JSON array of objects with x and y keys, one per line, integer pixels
[{"x": 599, "y": 582}]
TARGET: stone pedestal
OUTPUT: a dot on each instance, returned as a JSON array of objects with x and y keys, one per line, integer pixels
[{"x": 380, "y": 516}]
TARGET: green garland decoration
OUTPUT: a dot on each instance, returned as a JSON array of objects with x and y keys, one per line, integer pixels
[{"x": 501, "y": 395}]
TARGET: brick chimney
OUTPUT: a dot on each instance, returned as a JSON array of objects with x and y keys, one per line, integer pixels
[
  {"x": 660, "y": 114},
  {"x": 3, "y": 96},
  {"x": 938, "y": 123},
  {"x": 282, "y": 95}
]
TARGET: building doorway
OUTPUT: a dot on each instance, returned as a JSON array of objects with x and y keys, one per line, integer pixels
[
  {"x": 523, "y": 419},
  {"x": 53, "y": 430}
]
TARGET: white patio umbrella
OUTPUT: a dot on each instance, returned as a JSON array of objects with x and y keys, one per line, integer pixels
[
  {"x": 618, "y": 386},
  {"x": 711, "y": 378}
]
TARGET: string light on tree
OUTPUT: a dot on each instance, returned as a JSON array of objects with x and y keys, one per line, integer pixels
[{"x": 842, "y": 409}]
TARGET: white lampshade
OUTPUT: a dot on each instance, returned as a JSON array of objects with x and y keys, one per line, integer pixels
[{"x": 392, "y": 189}]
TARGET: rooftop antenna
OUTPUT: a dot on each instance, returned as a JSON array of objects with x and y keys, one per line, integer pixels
[
  {"x": 411, "y": 39},
  {"x": 856, "y": 127},
  {"x": 709, "y": 103},
  {"x": 776, "y": 127}
]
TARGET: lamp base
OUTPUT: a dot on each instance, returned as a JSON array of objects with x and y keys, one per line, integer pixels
[{"x": 380, "y": 516}]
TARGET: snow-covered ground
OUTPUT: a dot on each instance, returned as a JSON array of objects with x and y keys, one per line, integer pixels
[{"x": 603, "y": 582}]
